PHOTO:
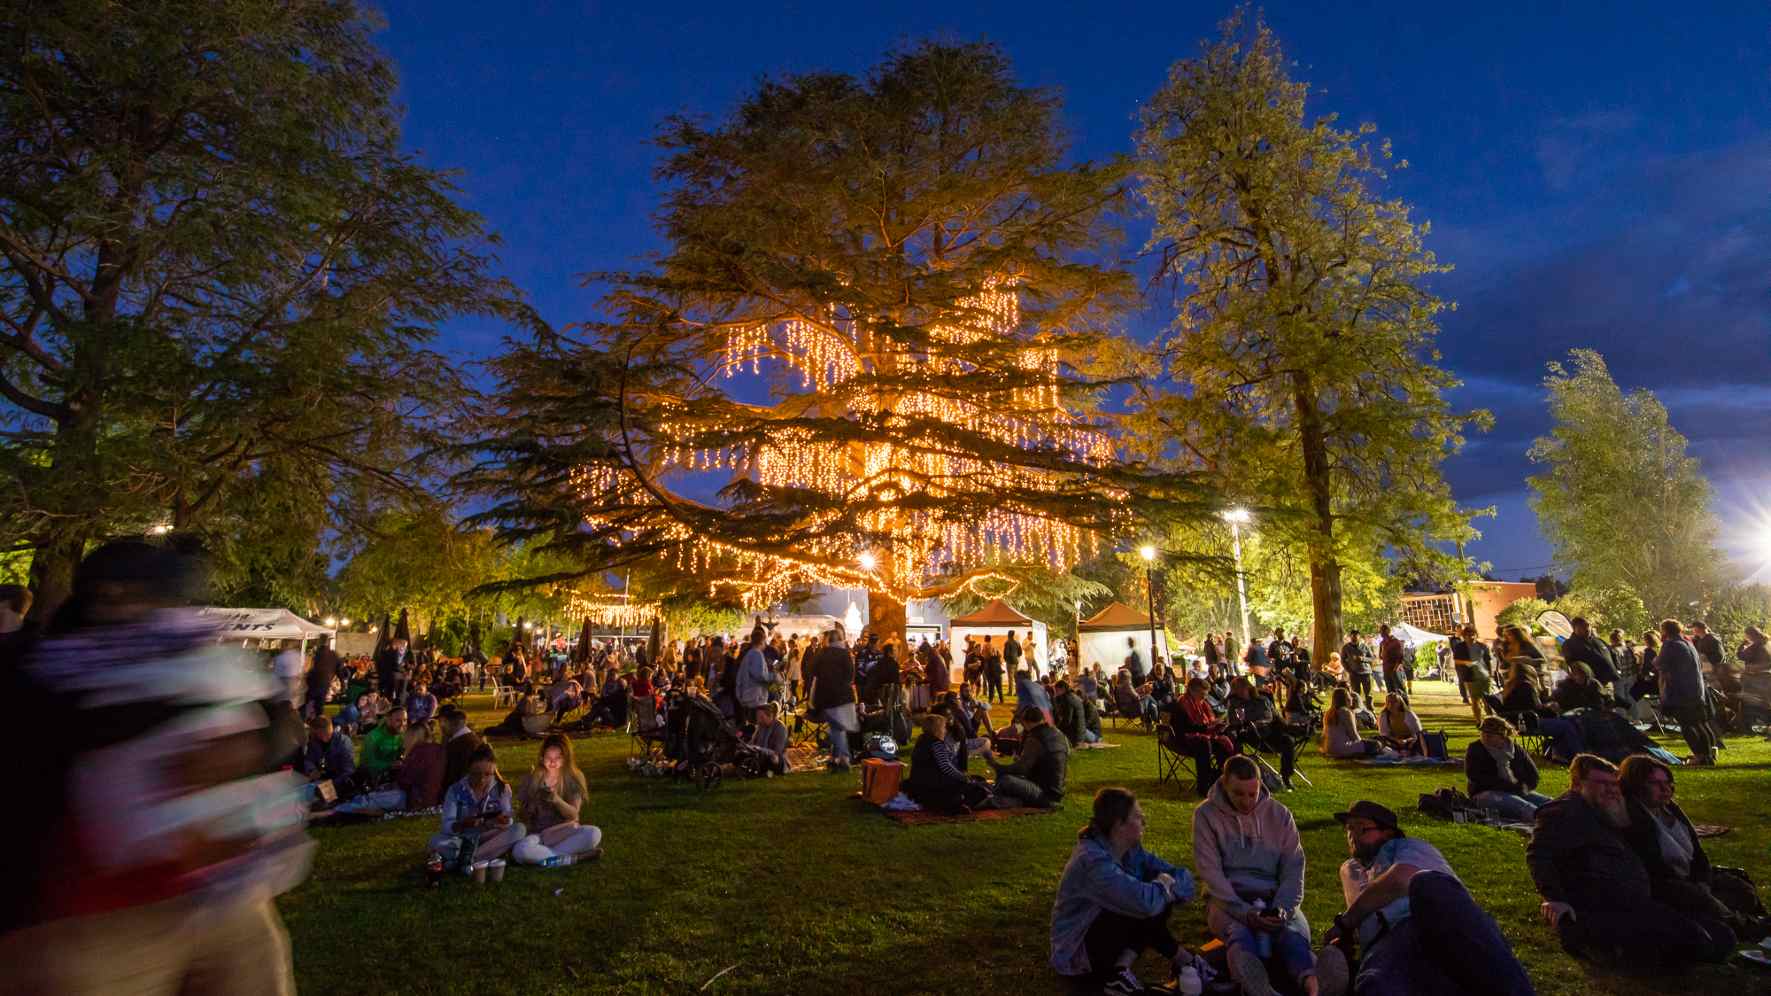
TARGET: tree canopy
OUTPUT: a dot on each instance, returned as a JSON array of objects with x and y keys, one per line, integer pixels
[
  {"x": 1622, "y": 503},
  {"x": 1301, "y": 371},
  {"x": 871, "y": 353},
  {"x": 218, "y": 276}
]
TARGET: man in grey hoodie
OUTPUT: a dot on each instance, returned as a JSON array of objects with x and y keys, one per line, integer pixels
[{"x": 1247, "y": 853}]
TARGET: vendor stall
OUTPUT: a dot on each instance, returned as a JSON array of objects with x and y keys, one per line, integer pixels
[{"x": 1102, "y": 637}]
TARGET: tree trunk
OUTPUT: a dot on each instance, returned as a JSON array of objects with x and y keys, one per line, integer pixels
[
  {"x": 886, "y": 617},
  {"x": 1325, "y": 567},
  {"x": 52, "y": 576}
]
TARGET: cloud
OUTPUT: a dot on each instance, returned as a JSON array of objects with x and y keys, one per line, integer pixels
[{"x": 1568, "y": 144}]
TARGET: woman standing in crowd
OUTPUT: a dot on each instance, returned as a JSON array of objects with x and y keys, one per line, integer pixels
[{"x": 548, "y": 802}]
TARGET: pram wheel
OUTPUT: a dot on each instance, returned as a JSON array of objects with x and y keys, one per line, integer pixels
[{"x": 710, "y": 776}]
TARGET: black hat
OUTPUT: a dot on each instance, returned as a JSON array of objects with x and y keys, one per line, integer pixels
[{"x": 1367, "y": 810}]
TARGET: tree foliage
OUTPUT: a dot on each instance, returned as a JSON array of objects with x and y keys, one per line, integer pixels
[
  {"x": 1301, "y": 363},
  {"x": 879, "y": 326},
  {"x": 218, "y": 275},
  {"x": 1622, "y": 503}
]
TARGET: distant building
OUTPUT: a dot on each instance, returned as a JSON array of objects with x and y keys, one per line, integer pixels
[{"x": 1481, "y": 602}]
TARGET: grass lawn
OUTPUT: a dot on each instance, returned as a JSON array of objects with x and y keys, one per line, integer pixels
[{"x": 796, "y": 888}]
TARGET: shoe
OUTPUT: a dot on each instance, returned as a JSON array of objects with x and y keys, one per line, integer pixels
[
  {"x": 1333, "y": 975},
  {"x": 1124, "y": 983},
  {"x": 1249, "y": 972},
  {"x": 1289, "y": 787}
]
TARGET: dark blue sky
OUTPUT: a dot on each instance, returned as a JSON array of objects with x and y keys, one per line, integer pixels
[{"x": 1598, "y": 173}]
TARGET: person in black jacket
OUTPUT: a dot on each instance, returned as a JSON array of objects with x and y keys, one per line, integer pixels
[
  {"x": 936, "y": 781},
  {"x": 1662, "y": 836},
  {"x": 832, "y": 673},
  {"x": 1588, "y": 649},
  {"x": 1598, "y": 895},
  {"x": 1501, "y": 774}
]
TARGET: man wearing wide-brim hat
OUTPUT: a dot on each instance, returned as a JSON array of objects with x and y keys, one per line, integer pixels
[{"x": 1417, "y": 928}]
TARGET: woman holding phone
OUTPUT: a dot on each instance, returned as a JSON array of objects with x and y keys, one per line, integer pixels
[
  {"x": 477, "y": 820},
  {"x": 548, "y": 802}
]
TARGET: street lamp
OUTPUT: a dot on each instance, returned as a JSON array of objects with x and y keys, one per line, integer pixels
[
  {"x": 1148, "y": 552},
  {"x": 346, "y": 621},
  {"x": 1237, "y": 518},
  {"x": 331, "y": 622}
]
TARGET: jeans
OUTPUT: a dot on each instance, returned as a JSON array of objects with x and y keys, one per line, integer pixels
[
  {"x": 387, "y": 800},
  {"x": 1693, "y": 722},
  {"x": 1565, "y": 737},
  {"x": 1361, "y": 683},
  {"x": 1448, "y": 945},
  {"x": 1516, "y": 808},
  {"x": 1019, "y": 790},
  {"x": 838, "y": 718},
  {"x": 1291, "y": 945}
]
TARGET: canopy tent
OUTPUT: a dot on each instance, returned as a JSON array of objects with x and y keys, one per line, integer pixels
[
  {"x": 1414, "y": 636},
  {"x": 803, "y": 626},
  {"x": 1101, "y": 638},
  {"x": 997, "y": 620},
  {"x": 264, "y": 624}
]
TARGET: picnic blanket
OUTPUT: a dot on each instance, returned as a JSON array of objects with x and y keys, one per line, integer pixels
[
  {"x": 1711, "y": 829},
  {"x": 1412, "y": 761},
  {"x": 1098, "y": 745},
  {"x": 918, "y": 817}
]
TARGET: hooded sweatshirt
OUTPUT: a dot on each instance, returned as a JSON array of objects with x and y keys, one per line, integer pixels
[
  {"x": 1241, "y": 857},
  {"x": 1093, "y": 883}
]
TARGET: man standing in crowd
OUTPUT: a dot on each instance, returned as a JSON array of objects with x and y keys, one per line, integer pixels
[
  {"x": 1682, "y": 692},
  {"x": 1418, "y": 929},
  {"x": 390, "y": 670},
  {"x": 1357, "y": 666},
  {"x": 1596, "y": 892},
  {"x": 1389, "y": 650},
  {"x": 1709, "y": 649},
  {"x": 1134, "y": 661}
]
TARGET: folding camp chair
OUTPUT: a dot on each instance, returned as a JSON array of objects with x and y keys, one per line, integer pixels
[
  {"x": 646, "y": 732},
  {"x": 1170, "y": 764}
]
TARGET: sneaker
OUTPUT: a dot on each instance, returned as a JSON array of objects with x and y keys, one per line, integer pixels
[
  {"x": 1333, "y": 974},
  {"x": 1249, "y": 972},
  {"x": 1124, "y": 983}
]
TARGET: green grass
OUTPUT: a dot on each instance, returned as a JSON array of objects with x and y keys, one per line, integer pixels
[{"x": 800, "y": 889}]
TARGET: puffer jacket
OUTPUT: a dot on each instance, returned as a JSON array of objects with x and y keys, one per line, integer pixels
[{"x": 1240, "y": 857}]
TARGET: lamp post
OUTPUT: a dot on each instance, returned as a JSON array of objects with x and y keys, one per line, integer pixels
[
  {"x": 1236, "y": 517},
  {"x": 1148, "y": 552}
]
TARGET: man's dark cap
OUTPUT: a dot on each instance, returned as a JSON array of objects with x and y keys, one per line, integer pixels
[{"x": 1365, "y": 809}]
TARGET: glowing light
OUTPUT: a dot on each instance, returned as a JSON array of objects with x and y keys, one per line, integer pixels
[
  {"x": 159, "y": 529},
  {"x": 868, "y": 560},
  {"x": 331, "y": 622},
  {"x": 1147, "y": 552},
  {"x": 345, "y": 621},
  {"x": 1239, "y": 516}
]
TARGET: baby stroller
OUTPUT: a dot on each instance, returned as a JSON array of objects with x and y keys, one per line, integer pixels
[{"x": 710, "y": 740}]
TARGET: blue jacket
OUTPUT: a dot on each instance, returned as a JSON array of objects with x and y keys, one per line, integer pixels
[
  {"x": 1093, "y": 882},
  {"x": 336, "y": 758},
  {"x": 1681, "y": 680}
]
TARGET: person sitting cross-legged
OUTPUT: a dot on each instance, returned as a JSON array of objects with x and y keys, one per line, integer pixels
[
  {"x": 548, "y": 802},
  {"x": 1500, "y": 774},
  {"x": 477, "y": 815},
  {"x": 1340, "y": 730},
  {"x": 769, "y": 738},
  {"x": 1598, "y": 895},
  {"x": 382, "y": 750},
  {"x": 1247, "y": 852},
  {"x": 1036, "y": 778},
  {"x": 1417, "y": 928},
  {"x": 1070, "y": 715},
  {"x": 936, "y": 781},
  {"x": 1398, "y": 726},
  {"x": 328, "y": 756},
  {"x": 1114, "y": 900}
]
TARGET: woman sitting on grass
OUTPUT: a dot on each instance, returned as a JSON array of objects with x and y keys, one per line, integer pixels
[
  {"x": 1501, "y": 775},
  {"x": 1114, "y": 899},
  {"x": 1340, "y": 730},
  {"x": 477, "y": 821},
  {"x": 937, "y": 782},
  {"x": 548, "y": 802},
  {"x": 1399, "y": 726}
]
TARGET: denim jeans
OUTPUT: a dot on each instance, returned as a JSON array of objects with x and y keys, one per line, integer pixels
[
  {"x": 1516, "y": 808},
  {"x": 1565, "y": 738},
  {"x": 839, "y": 740},
  {"x": 1448, "y": 946},
  {"x": 1291, "y": 946}
]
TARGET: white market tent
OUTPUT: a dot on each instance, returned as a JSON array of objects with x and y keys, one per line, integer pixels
[
  {"x": 1414, "y": 636},
  {"x": 1101, "y": 637},
  {"x": 264, "y": 624},
  {"x": 996, "y": 620}
]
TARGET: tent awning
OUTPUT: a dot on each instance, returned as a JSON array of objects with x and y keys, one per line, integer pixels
[
  {"x": 1415, "y": 636},
  {"x": 997, "y": 613},
  {"x": 1116, "y": 616},
  {"x": 262, "y": 624}
]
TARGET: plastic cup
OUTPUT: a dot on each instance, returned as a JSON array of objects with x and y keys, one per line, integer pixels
[
  {"x": 479, "y": 872},
  {"x": 495, "y": 870}
]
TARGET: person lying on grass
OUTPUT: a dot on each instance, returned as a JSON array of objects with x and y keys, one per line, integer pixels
[
  {"x": 548, "y": 802},
  {"x": 1249, "y": 855},
  {"x": 1114, "y": 900},
  {"x": 1417, "y": 928}
]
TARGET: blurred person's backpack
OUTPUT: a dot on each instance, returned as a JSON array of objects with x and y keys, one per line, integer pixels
[{"x": 1433, "y": 744}]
